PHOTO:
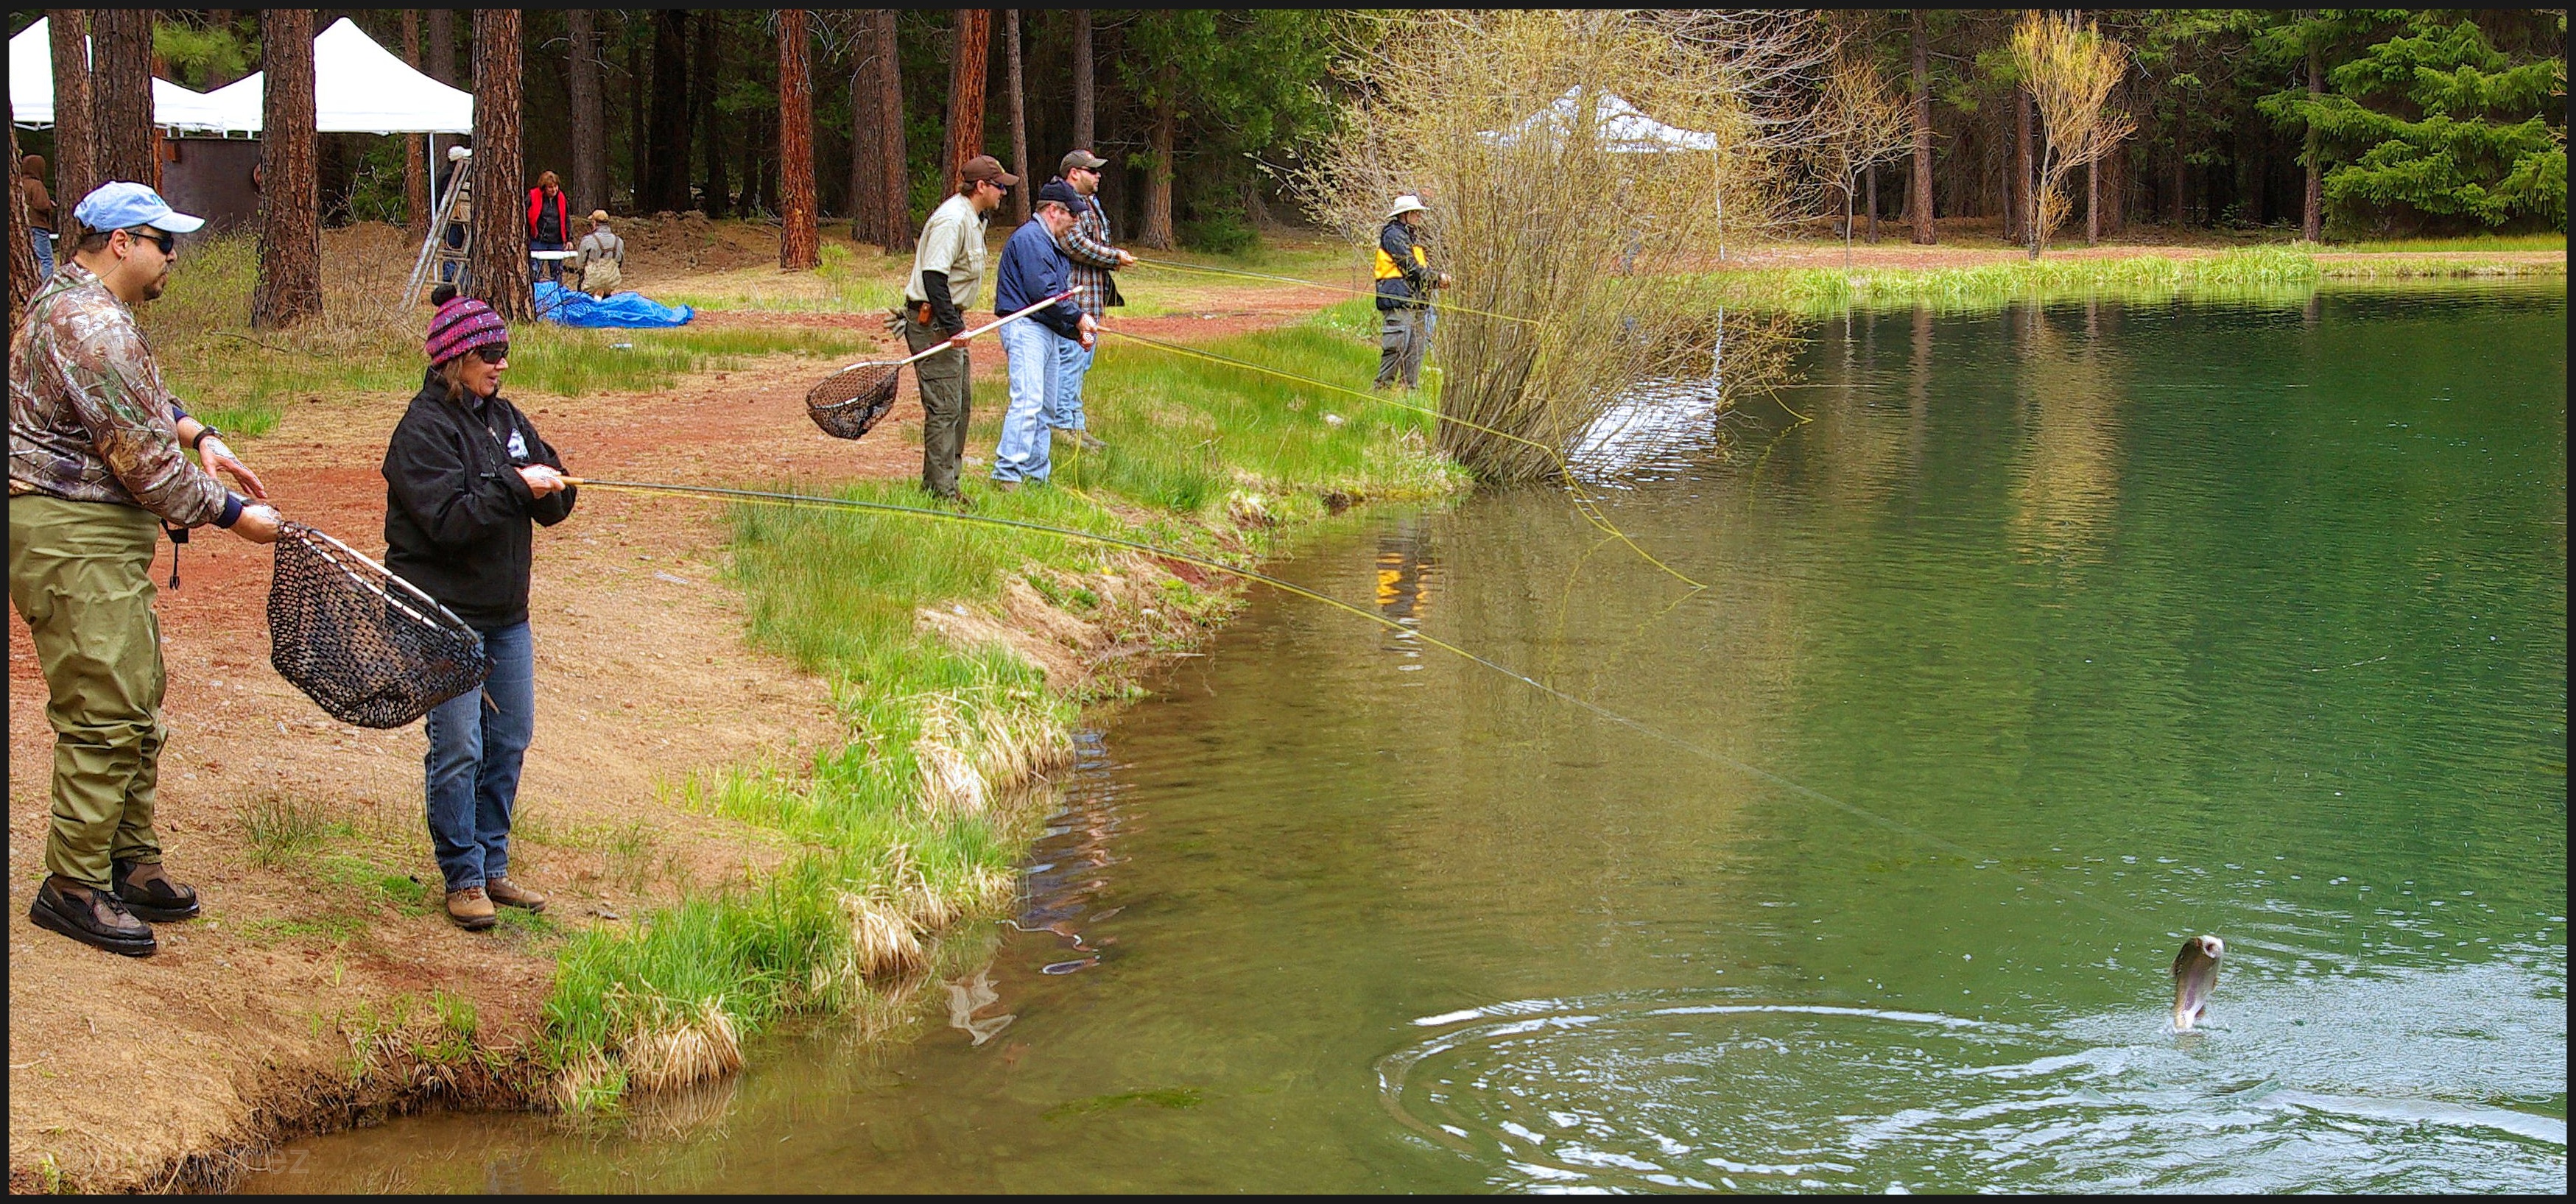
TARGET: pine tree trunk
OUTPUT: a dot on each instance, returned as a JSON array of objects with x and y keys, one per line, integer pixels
[
  {"x": 1872, "y": 172},
  {"x": 893, "y": 179},
  {"x": 1156, "y": 230},
  {"x": 2180, "y": 213},
  {"x": 1019, "y": 121},
  {"x": 589, "y": 114},
  {"x": 800, "y": 244},
  {"x": 2092, "y": 204},
  {"x": 670, "y": 132},
  {"x": 639, "y": 149},
  {"x": 715, "y": 196},
  {"x": 442, "y": 45},
  {"x": 2312, "y": 207},
  {"x": 75, "y": 119},
  {"x": 1921, "y": 183},
  {"x": 23, "y": 280},
  {"x": 288, "y": 285},
  {"x": 500, "y": 258},
  {"x": 864, "y": 139},
  {"x": 968, "y": 64},
  {"x": 121, "y": 78},
  {"x": 415, "y": 146},
  {"x": 1082, "y": 84},
  {"x": 2019, "y": 203}
]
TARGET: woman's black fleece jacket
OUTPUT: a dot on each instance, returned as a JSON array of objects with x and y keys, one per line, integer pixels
[{"x": 456, "y": 509}]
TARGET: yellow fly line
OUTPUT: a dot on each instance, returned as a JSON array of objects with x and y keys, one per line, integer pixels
[
  {"x": 767, "y": 498},
  {"x": 1448, "y": 306},
  {"x": 1587, "y": 507}
]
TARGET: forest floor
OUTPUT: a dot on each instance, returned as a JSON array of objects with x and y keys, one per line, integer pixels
[{"x": 323, "y": 968}]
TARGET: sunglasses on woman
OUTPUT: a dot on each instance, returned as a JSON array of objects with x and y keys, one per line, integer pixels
[{"x": 493, "y": 353}]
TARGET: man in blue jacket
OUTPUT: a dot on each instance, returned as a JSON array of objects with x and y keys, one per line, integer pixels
[{"x": 1042, "y": 346}]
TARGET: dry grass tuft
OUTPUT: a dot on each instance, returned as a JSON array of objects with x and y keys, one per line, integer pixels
[
  {"x": 681, "y": 1051},
  {"x": 883, "y": 943}
]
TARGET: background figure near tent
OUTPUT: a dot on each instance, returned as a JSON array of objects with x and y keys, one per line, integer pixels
[
  {"x": 549, "y": 225},
  {"x": 40, "y": 213},
  {"x": 602, "y": 259},
  {"x": 1404, "y": 284}
]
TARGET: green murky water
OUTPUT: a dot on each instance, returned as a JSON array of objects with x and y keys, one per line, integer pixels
[{"x": 2077, "y": 630}]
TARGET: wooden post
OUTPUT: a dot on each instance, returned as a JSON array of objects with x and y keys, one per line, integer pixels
[
  {"x": 800, "y": 246},
  {"x": 500, "y": 257},
  {"x": 287, "y": 287},
  {"x": 75, "y": 118}
]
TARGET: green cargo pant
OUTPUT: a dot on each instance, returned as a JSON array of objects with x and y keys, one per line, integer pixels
[
  {"x": 944, "y": 406},
  {"x": 80, "y": 573}
]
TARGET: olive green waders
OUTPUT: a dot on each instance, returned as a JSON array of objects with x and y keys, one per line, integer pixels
[
  {"x": 80, "y": 574},
  {"x": 944, "y": 404}
]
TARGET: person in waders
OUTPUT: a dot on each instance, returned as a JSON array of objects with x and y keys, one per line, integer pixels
[
  {"x": 465, "y": 474},
  {"x": 95, "y": 470},
  {"x": 1404, "y": 284}
]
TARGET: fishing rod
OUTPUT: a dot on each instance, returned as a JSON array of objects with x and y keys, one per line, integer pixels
[
  {"x": 1587, "y": 507},
  {"x": 1756, "y": 772},
  {"x": 1450, "y": 306}
]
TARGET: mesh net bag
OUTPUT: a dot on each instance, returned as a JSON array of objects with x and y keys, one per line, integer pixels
[
  {"x": 848, "y": 402},
  {"x": 366, "y": 645}
]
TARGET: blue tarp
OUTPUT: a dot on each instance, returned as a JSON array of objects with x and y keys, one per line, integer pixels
[{"x": 555, "y": 303}]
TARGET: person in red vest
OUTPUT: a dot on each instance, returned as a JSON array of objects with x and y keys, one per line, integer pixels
[{"x": 549, "y": 223}]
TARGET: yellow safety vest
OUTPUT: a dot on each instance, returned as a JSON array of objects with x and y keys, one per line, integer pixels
[{"x": 1386, "y": 269}]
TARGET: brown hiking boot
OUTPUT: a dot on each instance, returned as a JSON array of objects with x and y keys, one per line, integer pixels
[
  {"x": 471, "y": 909},
  {"x": 92, "y": 917},
  {"x": 149, "y": 893},
  {"x": 511, "y": 894}
]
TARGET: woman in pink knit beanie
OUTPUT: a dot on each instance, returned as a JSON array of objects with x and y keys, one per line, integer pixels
[{"x": 465, "y": 476}]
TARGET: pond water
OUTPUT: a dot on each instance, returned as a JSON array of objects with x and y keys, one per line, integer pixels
[{"x": 2052, "y": 637}]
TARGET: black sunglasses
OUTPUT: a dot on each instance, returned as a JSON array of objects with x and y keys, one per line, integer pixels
[
  {"x": 168, "y": 242},
  {"x": 493, "y": 353}
]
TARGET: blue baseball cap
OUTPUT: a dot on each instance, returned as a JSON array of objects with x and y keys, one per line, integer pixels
[{"x": 121, "y": 205}]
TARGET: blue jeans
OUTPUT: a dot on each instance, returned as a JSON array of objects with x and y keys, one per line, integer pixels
[
  {"x": 1073, "y": 362},
  {"x": 475, "y": 749},
  {"x": 44, "y": 244},
  {"x": 1037, "y": 380}
]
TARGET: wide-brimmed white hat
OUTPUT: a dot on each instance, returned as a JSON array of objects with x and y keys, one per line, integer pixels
[{"x": 1408, "y": 203}]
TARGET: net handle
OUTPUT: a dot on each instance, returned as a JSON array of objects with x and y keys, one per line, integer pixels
[
  {"x": 986, "y": 328},
  {"x": 414, "y": 590}
]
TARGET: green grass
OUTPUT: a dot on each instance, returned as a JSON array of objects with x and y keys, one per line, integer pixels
[
  {"x": 1194, "y": 449},
  {"x": 2250, "y": 273},
  {"x": 2462, "y": 246}
]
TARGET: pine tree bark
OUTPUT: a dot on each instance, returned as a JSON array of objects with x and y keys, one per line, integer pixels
[
  {"x": 287, "y": 287},
  {"x": 894, "y": 193},
  {"x": 669, "y": 160},
  {"x": 1019, "y": 121},
  {"x": 75, "y": 118},
  {"x": 500, "y": 257},
  {"x": 864, "y": 139},
  {"x": 1920, "y": 185},
  {"x": 968, "y": 64},
  {"x": 1156, "y": 230},
  {"x": 1082, "y": 83},
  {"x": 1871, "y": 172},
  {"x": 415, "y": 146},
  {"x": 715, "y": 195},
  {"x": 639, "y": 149},
  {"x": 2312, "y": 207},
  {"x": 442, "y": 45},
  {"x": 800, "y": 244},
  {"x": 121, "y": 80},
  {"x": 589, "y": 113},
  {"x": 2018, "y": 198},
  {"x": 23, "y": 280}
]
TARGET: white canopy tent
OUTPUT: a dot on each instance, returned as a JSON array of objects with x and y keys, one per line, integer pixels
[
  {"x": 1618, "y": 126},
  {"x": 31, "y": 89},
  {"x": 359, "y": 87}
]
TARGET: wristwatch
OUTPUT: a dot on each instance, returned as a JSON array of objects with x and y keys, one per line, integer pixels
[{"x": 198, "y": 444}]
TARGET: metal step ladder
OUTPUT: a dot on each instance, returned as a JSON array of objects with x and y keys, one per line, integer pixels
[{"x": 436, "y": 256}]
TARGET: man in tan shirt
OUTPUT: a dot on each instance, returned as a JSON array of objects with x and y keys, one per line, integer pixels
[{"x": 947, "y": 271}]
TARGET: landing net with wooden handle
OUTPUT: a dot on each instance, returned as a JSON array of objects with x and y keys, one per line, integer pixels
[
  {"x": 365, "y": 645},
  {"x": 849, "y": 402}
]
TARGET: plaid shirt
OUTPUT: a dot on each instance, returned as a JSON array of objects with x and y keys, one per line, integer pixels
[
  {"x": 1094, "y": 259},
  {"x": 89, "y": 419}
]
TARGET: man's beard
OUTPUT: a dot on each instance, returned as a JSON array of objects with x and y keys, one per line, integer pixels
[{"x": 152, "y": 291}]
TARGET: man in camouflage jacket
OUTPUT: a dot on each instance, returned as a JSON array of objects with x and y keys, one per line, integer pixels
[{"x": 95, "y": 469}]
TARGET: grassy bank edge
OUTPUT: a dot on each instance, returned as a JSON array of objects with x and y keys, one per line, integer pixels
[{"x": 2254, "y": 274}]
